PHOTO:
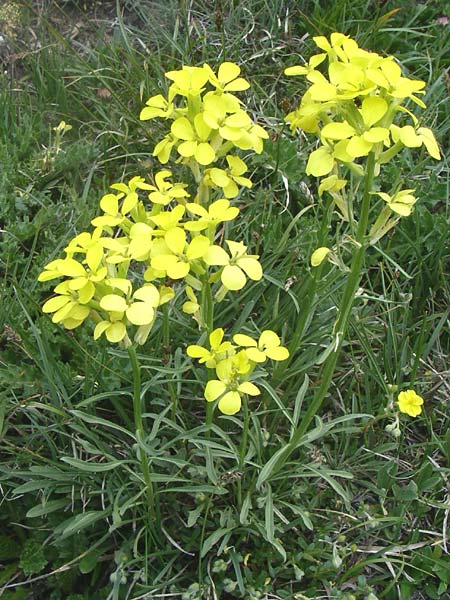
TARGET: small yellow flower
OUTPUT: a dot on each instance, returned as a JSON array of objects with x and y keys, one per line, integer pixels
[
  {"x": 410, "y": 403},
  {"x": 402, "y": 202},
  {"x": 319, "y": 255},
  {"x": 220, "y": 350},
  {"x": 268, "y": 346},
  {"x": 236, "y": 267}
]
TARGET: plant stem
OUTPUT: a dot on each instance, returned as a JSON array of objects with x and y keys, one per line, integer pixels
[
  {"x": 345, "y": 305},
  {"x": 166, "y": 342},
  {"x": 243, "y": 446},
  {"x": 137, "y": 409}
]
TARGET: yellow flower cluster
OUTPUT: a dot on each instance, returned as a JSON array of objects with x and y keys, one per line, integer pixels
[
  {"x": 352, "y": 110},
  {"x": 110, "y": 274},
  {"x": 208, "y": 121},
  {"x": 234, "y": 364}
]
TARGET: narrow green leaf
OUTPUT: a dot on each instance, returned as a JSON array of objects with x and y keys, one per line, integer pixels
[{"x": 43, "y": 509}]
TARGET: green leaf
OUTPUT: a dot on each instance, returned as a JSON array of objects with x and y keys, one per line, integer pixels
[
  {"x": 92, "y": 467},
  {"x": 405, "y": 493},
  {"x": 51, "y": 506},
  {"x": 79, "y": 522},
  {"x": 212, "y": 539},
  {"x": 90, "y": 561}
]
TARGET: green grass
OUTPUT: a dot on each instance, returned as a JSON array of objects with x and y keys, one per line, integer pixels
[{"x": 354, "y": 511}]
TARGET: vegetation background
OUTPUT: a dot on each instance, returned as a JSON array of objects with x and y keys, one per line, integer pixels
[{"x": 367, "y": 514}]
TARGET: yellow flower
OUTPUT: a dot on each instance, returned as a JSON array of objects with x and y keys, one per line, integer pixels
[
  {"x": 178, "y": 259},
  {"x": 220, "y": 350},
  {"x": 157, "y": 106},
  {"x": 129, "y": 191},
  {"x": 191, "y": 306},
  {"x": 228, "y": 179},
  {"x": 402, "y": 202},
  {"x": 227, "y": 78},
  {"x": 194, "y": 139},
  {"x": 412, "y": 138},
  {"x": 165, "y": 191},
  {"x": 236, "y": 267},
  {"x": 66, "y": 306},
  {"x": 319, "y": 255},
  {"x": 188, "y": 81},
  {"x": 230, "y": 385},
  {"x": 218, "y": 212},
  {"x": 268, "y": 346},
  {"x": 410, "y": 403}
]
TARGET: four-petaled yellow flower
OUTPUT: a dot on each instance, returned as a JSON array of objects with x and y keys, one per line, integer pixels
[
  {"x": 268, "y": 346},
  {"x": 410, "y": 403},
  {"x": 235, "y": 267},
  {"x": 229, "y": 387},
  {"x": 220, "y": 350}
]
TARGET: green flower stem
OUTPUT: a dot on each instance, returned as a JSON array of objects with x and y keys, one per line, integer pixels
[
  {"x": 207, "y": 312},
  {"x": 166, "y": 342},
  {"x": 243, "y": 448},
  {"x": 245, "y": 428},
  {"x": 345, "y": 305},
  {"x": 137, "y": 409}
]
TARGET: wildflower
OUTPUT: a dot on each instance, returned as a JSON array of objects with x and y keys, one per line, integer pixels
[
  {"x": 236, "y": 267},
  {"x": 217, "y": 212},
  {"x": 229, "y": 385},
  {"x": 220, "y": 350},
  {"x": 178, "y": 258},
  {"x": 67, "y": 307},
  {"x": 165, "y": 191},
  {"x": 228, "y": 179},
  {"x": 194, "y": 139},
  {"x": 191, "y": 306},
  {"x": 157, "y": 106},
  {"x": 410, "y": 403},
  {"x": 227, "y": 78},
  {"x": 319, "y": 255},
  {"x": 401, "y": 202},
  {"x": 268, "y": 346}
]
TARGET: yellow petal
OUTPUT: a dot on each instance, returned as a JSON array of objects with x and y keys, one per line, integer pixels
[
  {"x": 230, "y": 403},
  {"x": 251, "y": 267},
  {"x": 278, "y": 353},
  {"x": 244, "y": 340},
  {"x": 249, "y": 388},
  {"x": 182, "y": 129},
  {"x": 175, "y": 239},
  {"x": 140, "y": 313},
  {"x": 178, "y": 270},
  {"x": 113, "y": 303},
  {"x": 216, "y": 337},
  {"x": 228, "y": 71},
  {"x": 100, "y": 328},
  {"x": 373, "y": 109},
  {"x": 233, "y": 278},
  {"x": 214, "y": 388},
  {"x": 216, "y": 256},
  {"x": 148, "y": 294},
  {"x": 116, "y": 332},
  {"x": 320, "y": 163},
  {"x": 337, "y": 131},
  {"x": 197, "y": 247},
  {"x": 268, "y": 339},
  {"x": 255, "y": 355},
  {"x": 55, "y": 303},
  {"x": 205, "y": 153}
]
